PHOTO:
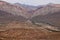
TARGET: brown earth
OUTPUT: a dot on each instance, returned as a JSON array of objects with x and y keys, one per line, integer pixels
[{"x": 26, "y": 31}]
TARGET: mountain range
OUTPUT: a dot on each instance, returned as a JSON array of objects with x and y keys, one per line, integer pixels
[{"x": 47, "y": 14}]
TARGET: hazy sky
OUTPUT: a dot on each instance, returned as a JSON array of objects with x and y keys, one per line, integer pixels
[{"x": 34, "y": 2}]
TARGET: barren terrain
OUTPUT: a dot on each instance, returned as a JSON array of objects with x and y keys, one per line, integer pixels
[
  {"x": 26, "y": 31},
  {"x": 23, "y": 22}
]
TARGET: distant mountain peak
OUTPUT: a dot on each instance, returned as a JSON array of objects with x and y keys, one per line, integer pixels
[
  {"x": 27, "y": 6},
  {"x": 53, "y": 5}
]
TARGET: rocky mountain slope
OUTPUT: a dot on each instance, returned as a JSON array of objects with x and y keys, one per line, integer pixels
[
  {"x": 6, "y": 18},
  {"x": 50, "y": 8},
  {"x": 19, "y": 23},
  {"x": 14, "y": 9},
  {"x": 49, "y": 14}
]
